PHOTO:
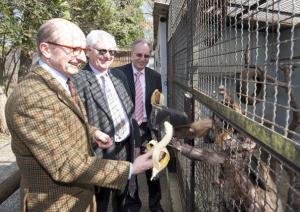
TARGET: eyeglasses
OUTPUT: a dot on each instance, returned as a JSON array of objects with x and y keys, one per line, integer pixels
[
  {"x": 146, "y": 56},
  {"x": 75, "y": 50},
  {"x": 104, "y": 51}
]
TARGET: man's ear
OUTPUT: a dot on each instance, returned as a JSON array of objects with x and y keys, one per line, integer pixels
[
  {"x": 45, "y": 50},
  {"x": 88, "y": 49}
]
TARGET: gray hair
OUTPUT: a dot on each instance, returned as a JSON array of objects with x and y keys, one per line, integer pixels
[
  {"x": 141, "y": 41},
  {"x": 100, "y": 36}
]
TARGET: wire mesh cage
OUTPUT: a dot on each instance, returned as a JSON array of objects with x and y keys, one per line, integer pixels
[{"x": 239, "y": 59}]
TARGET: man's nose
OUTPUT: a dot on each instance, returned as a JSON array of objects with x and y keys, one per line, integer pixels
[{"x": 82, "y": 56}]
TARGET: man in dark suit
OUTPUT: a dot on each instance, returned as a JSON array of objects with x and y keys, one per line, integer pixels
[
  {"x": 105, "y": 95},
  {"x": 50, "y": 135},
  {"x": 142, "y": 82}
]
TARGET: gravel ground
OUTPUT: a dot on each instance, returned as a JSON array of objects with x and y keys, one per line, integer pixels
[{"x": 7, "y": 167}]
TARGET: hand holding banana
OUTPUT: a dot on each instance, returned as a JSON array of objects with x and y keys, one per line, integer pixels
[{"x": 160, "y": 155}]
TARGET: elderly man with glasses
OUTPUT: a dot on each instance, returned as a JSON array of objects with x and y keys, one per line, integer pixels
[
  {"x": 105, "y": 94},
  {"x": 142, "y": 82}
]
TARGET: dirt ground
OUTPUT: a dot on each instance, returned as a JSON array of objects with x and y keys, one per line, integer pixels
[{"x": 4, "y": 138}]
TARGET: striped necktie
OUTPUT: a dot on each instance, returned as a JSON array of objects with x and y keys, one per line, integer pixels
[
  {"x": 116, "y": 110},
  {"x": 139, "y": 105}
]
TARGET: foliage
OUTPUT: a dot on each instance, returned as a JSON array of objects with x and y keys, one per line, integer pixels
[
  {"x": 20, "y": 27},
  {"x": 92, "y": 14},
  {"x": 128, "y": 24},
  {"x": 122, "y": 18},
  {"x": 20, "y": 19}
]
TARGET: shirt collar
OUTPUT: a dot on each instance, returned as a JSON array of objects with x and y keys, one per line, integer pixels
[
  {"x": 134, "y": 70},
  {"x": 56, "y": 74},
  {"x": 97, "y": 73}
]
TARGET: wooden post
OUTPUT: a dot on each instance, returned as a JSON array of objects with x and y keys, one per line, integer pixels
[{"x": 9, "y": 186}]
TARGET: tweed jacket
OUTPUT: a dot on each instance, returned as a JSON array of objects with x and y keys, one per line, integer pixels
[
  {"x": 96, "y": 105},
  {"x": 51, "y": 140},
  {"x": 152, "y": 80}
]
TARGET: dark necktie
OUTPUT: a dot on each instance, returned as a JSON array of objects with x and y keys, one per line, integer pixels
[{"x": 73, "y": 92}]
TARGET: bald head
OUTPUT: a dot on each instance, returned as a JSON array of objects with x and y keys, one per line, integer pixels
[
  {"x": 61, "y": 45},
  {"x": 59, "y": 30}
]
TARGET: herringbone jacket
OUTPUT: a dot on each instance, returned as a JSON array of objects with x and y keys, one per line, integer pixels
[
  {"x": 94, "y": 100},
  {"x": 52, "y": 144}
]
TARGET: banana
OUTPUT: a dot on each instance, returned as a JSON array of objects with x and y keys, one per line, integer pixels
[
  {"x": 160, "y": 155},
  {"x": 157, "y": 98}
]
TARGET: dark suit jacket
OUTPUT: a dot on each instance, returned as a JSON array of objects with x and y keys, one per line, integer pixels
[
  {"x": 51, "y": 140},
  {"x": 152, "y": 79},
  {"x": 97, "y": 108}
]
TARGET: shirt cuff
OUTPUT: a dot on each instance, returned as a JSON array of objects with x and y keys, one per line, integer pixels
[{"x": 130, "y": 171}]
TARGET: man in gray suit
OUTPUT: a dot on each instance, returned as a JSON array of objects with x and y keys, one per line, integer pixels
[{"x": 105, "y": 95}]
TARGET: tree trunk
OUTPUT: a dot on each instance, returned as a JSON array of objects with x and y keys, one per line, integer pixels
[
  {"x": 25, "y": 63},
  {"x": 3, "y": 99}
]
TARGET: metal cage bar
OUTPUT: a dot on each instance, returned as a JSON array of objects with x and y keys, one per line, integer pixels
[{"x": 239, "y": 59}]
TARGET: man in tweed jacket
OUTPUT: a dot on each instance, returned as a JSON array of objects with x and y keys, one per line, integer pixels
[
  {"x": 51, "y": 138},
  {"x": 94, "y": 93}
]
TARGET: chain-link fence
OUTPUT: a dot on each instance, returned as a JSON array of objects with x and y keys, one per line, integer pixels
[{"x": 239, "y": 60}]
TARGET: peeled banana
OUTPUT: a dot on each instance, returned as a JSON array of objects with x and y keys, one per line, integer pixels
[{"x": 160, "y": 155}]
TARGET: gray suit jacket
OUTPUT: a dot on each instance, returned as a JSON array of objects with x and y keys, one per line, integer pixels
[{"x": 97, "y": 108}]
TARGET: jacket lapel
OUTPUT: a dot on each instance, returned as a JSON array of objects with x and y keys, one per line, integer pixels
[
  {"x": 130, "y": 77},
  {"x": 54, "y": 85},
  {"x": 121, "y": 91},
  {"x": 148, "y": 88},
  {"x": 96, "y": 92}
]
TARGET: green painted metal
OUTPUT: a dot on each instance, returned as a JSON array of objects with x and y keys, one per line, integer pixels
[{"x": 280, "y": 145}]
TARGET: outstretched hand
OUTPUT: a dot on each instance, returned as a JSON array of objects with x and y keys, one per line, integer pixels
[
  {"x": 142, "y": 163},
  {"x": 196, "y": 129}
]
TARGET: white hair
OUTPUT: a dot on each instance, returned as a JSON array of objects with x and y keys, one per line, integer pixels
[{"x": 101, "y": 36}]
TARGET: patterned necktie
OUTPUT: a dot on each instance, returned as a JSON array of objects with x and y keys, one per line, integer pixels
[
  {"x": 73, "y": 92},
  {"x": 139, "y": 105},
  {"x": 115, "y": 108}
]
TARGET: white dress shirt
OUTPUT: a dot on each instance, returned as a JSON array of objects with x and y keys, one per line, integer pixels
[{"x": 62, "y": 79}]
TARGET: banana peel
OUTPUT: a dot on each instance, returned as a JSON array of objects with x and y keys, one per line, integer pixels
[
  {"x": 160, "y": 155},
  {"x": 157, "y": 98}
]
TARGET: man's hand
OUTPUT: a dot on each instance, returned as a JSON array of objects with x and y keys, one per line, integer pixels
[
  {"x": 196, "y": 129},
  {"x": 142, "y": 163},
  {"x": 137, "y": 152},
  {"x": 102, "y": 139}
]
